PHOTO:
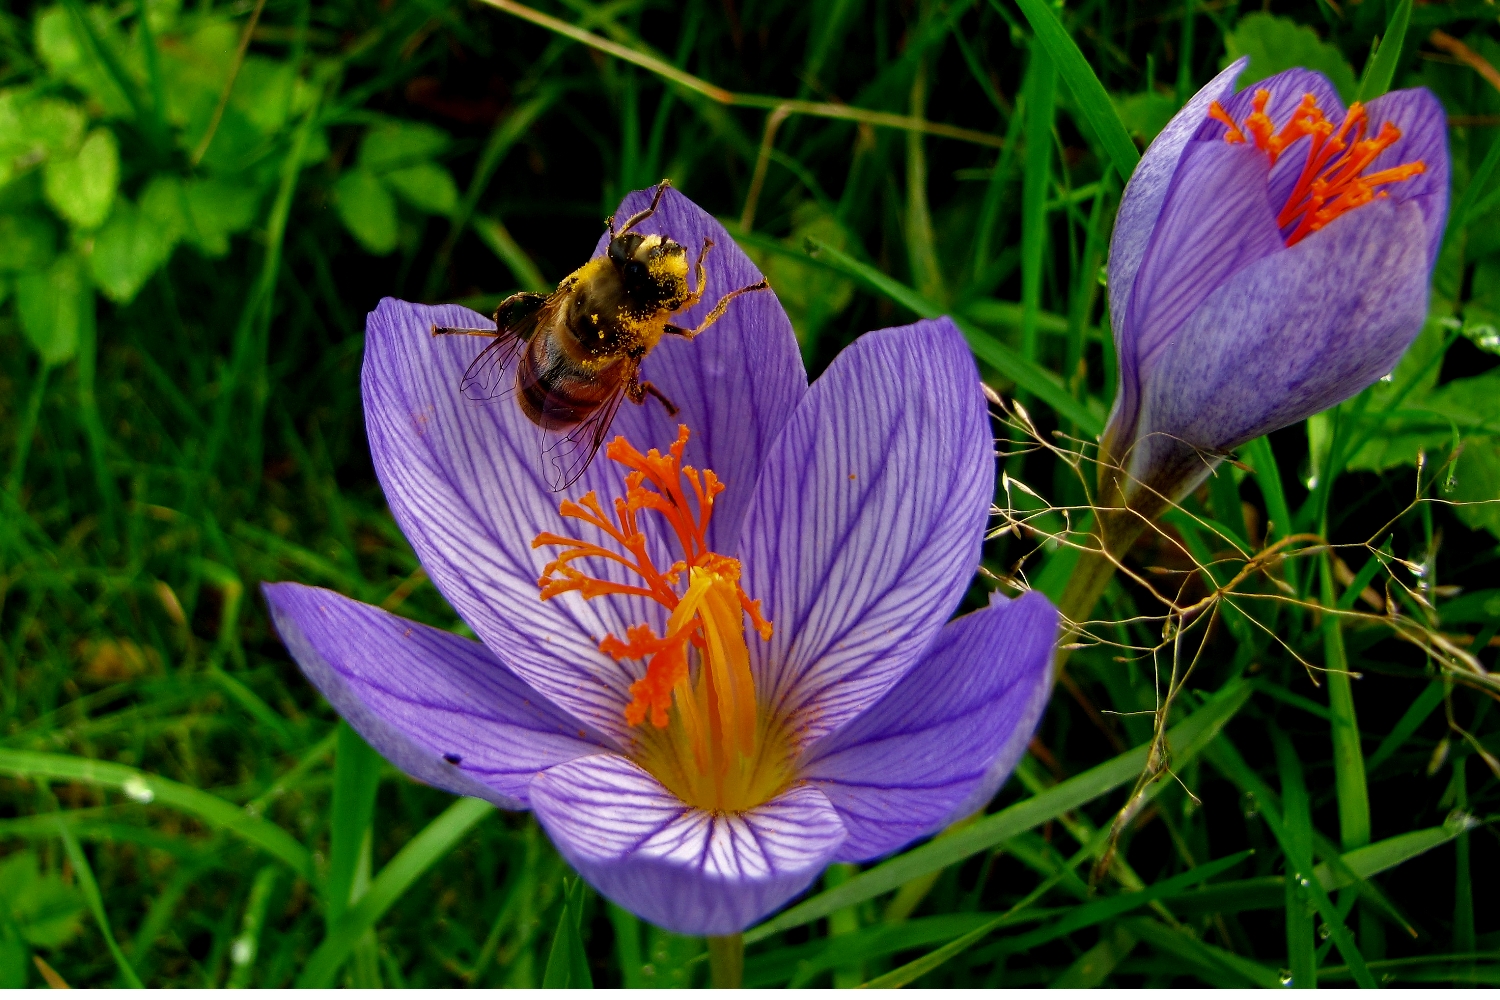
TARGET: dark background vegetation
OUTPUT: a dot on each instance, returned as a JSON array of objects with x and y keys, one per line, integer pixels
[{"x": 180, "y": 342}]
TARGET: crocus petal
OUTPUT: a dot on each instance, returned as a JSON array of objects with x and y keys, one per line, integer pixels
[
  {"x": 1293, "y": 334},
  {"x": 1146, "y": 191},
  {"x": 866, "y": 522},
  {"x": 419, "y": 695},
  {"x": 690, "y": 871},
  {"x": 1424, "y": 137},
  {"x": 463, "y": 479},
  {"x": 1287, "y": 89},
  {"x": 1216, "y": 220},
  {"x": 736, "y": 384},
  {"x": 940, "y": 743}
]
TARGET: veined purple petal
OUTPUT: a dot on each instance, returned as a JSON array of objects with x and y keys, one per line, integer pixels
[
  {"x": 736, "y": 384},
  {"x": 1287, "y": 89},
  {"x": 1293, "y": 334},
  {"x": 684, "y": 869},
  {"x": 939, "y": 744},
  {"x": 1146, "y": 191},
  {"x": 463, "y": 479},
  {"x": 1216, "y": 221},
  {"x": 1140, "y": 205},
  {"x": 441, "y": 708},
  {"x": 1424, "y": 136},
  {"x": 866, "y": 522}
]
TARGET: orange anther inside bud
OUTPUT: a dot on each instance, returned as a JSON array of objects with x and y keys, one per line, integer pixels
[
  {"x": 1333, "y": 180},
  {"x": 712, "y": 748}
]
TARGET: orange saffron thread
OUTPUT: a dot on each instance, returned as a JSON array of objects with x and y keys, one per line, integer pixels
[
  {"x": 661, "y": 483},
  {"x": 1333, "y": 180}
]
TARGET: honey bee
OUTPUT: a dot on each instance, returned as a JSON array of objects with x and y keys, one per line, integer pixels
[{"x": 571, "y": 357}]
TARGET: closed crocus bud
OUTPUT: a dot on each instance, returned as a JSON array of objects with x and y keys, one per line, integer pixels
[{"x": 1272, "y": 258}]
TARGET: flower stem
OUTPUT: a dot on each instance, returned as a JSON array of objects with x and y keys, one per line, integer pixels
[
  {"x": 726, "y": 961},
  {"x": 1091, "y": 574}
]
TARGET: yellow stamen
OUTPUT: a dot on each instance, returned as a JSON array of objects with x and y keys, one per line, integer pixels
[{"x": 709, "y": 740}]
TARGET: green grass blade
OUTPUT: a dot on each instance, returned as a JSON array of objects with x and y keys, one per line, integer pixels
[
  {"x": 1296, "y": 843},
  {"x": 1268, "y": 477},
  {"x": 247, "y": 945},
  {"x": 567, "y": 963},
  {"x": 1094, "y": 966},
  {"x": 1076, "y": 919},
  {"x": 145, "y": 787},
  {"x": 1187, "y": 738},
  {"x": 1381, "y": 71},
  {"x": 91, "y": 896},
  {"x": 1348, "y": 753},
  {"x": 1295, "y": 835},
  {"x": 1208, "y": 958},
  {"x": 356, "y": 779},
  {"x": 420, "y": 853},
  {"x": 1459, "y": 217},
  {"x": 1041, "y": 94},
  {"x": 1383, "y": 855},
  {"x": 1028, "y": 376},
  {"x": 1093, "y": 100},
  {"x": 1430, "y": 698}
]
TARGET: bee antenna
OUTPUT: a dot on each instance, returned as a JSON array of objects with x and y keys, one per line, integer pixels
[{"x": 609, "y": 224}]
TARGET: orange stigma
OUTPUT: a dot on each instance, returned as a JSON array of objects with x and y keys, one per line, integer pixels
[
  {"x": 1333, "y": 181},
  {"x": 709, "y": 740}
]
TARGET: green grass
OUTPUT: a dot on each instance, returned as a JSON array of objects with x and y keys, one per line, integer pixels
[{"x": 181, "y": 314}]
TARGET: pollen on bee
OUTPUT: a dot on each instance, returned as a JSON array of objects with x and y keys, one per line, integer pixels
[{"x": 1333, "y": 180}]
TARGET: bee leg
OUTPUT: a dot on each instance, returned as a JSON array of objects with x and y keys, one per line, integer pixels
[
  {"x": 718, "y": 310},
  {"x": 700, "y": 275},
  {"x": 642, "y": 216},
  {"x": 638, "y": 391},
  {"x": 439, "y": 331}
]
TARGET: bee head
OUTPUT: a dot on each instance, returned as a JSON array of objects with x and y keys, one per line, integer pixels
[{"x": 653, "y": 268}]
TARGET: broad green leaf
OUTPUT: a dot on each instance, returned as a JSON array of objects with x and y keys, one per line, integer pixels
[
  {"x": 82, "y": 188},
  {"x": 264, "y": 91},
  {"x": 426, "y": 187},
  {"x": 143, "y": 787},
  {"x": 399, "y": 144},
  {"x": 1091, "y": 97},
  {"x": 193, "y": 70},
  {"x": 27, "y": 241},
  {"x": 68, "y": 54},
  {"x": 33, "y": 130},
  {"x": 161, "y": 15},
  {"x": 1278, "y": 43},
  {"x": 367, "y": 210},
  {"x": 138, "y": 240},
  {"x": 51, "y": 304},
  {"x": 47, "y": 911},
  {"x": 216, "y": 210},
  {"x": 1144, "y": 115}
]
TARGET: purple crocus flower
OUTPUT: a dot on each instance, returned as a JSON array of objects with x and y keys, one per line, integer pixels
[
  {"x": 697, "y": 773},
  {"x": 1271, "y": 258}
]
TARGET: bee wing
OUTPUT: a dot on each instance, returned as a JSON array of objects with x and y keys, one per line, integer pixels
[
  {"x": 568, "y": 448},
  {"x": 519, "y": 317}
]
